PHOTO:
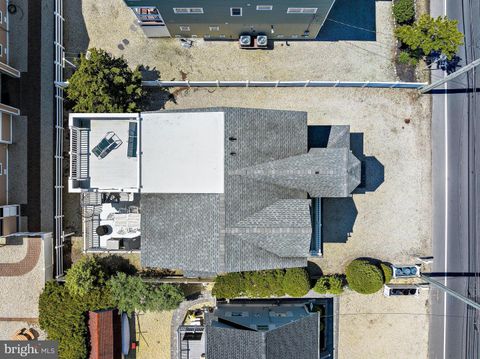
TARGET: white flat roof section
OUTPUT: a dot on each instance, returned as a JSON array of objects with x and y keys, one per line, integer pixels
[
  {"x": 182, "y": 152},
  {"x": 115, "y": 171}
]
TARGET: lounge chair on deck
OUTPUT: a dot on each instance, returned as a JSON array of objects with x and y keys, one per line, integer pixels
[{"x": 107, "y": 144}]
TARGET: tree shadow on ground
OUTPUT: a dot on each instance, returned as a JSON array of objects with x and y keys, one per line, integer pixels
[
  {"x": 154, "y": 98},
  {"x": 114, "y": 263},
  {"x": 352, "y": 20}
]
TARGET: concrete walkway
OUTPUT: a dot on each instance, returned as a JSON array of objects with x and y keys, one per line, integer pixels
[{"x": 178, "y": 317}]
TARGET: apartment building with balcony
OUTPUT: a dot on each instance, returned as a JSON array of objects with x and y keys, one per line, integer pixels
[
  {"x": 229, "y": 19},
  {"x": 9, "y": 209}
]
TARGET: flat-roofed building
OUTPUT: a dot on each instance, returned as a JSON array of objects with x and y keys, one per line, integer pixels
[{"x": 228, "y": 19}]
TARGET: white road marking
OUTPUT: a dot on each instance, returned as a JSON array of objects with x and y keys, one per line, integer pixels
[{"x": 446, "y": 209}]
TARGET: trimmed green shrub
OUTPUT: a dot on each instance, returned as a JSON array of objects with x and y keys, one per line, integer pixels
[
  {"x": 230, "y": 285},
  {"x": 403, "y": 11},
  {"x": 131, "y": 293},
  {"x": 84, "y": 276},
  {"x": 64, "y": 317},
  {"x": 329, "y": 285},
  {"x": 387, "y": 272},
  {"x": 296, "y": 282},
  {"x": 364, "y": 277},
  {"x": 430, "y": 35},
  {"x": 260, "y": 284},
  {"x": 103, "y": 83},
  {"x": 264, "y": 283}
]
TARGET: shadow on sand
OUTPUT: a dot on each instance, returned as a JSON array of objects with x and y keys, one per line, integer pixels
[
  {"x": 339, "y": 214},
  {"x": 352, "y": 20}
]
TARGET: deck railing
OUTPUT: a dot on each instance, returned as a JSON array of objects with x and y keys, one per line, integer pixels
[{"x": 79, "y": 154}]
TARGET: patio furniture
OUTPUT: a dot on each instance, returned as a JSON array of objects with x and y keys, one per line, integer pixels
[
  {"x": 107, "y": 144},
  {"x": 132, "y": 140},
  {"x": 113, "y": 243}
]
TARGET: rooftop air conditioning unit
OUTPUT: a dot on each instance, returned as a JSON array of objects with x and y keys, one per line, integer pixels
[
  {"x": 262, "y": 41},
  {"x": 245, "y": 41}
]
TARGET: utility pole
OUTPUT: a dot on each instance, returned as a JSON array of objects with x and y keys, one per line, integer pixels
[
  {"x": 459, "y": 296},
  {"x": 453, "y": 75}
]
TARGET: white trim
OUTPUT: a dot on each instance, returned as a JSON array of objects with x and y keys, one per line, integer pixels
[
  {"x": 264, "y": 7},
  {"x": 236, "y": 8},
  {"x": 184, "y": 28},
  {"x": 1, "y": 17},
  {"x": 214, "y": 28},
  {"x": 188, "y": 10},
  {"x": 302, "y": 10}
]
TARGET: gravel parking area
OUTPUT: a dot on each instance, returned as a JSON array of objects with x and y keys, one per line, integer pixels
[{"x": 112, "y": 26}]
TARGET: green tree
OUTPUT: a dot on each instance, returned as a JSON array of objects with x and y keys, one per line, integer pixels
[
  {"x": 429, "y": 35},
  {"x": 296, "y": 282},
  {"x": 63, "y": 317},
  {"x": 131, "y": 293},
  {"x": 329, "y": 285},
  {"x": 103, "y": 83},
  {"x": 403, "y": 11},
  {"x": 84, "y": 276},
  {"x": 163, "y": 297},
  {"x": 364, "y": 277}
]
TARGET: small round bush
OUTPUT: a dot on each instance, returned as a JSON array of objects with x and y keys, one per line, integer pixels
[
  {"x": 404, "y": 11},
  {"x": 329, "y": 284},
  {"x": 404, "y": 58},
  {"x": 387, "y": 272},
  {"x": 296, "y": 282},
  {"x": 364, "y": 277}
]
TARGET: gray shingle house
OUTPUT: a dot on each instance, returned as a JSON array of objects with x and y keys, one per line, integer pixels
[
  {"x": 220, "y": 190},
  {"x": 262, "y": 220},
  {"x": 228, "y": 19},
  {"x": 253, "y": 330}
]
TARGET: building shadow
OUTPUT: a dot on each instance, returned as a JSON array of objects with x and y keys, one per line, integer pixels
[
  {"x": 154, "y": 98},
  {"x": 75, "y": 38},
  {"x": 339, "y": 215},
  {"x": 352, "y": 20},
  {"x": 373, "y": 172}
]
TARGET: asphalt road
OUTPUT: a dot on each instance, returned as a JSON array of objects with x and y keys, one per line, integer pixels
[{"x": 454, "y": 331}]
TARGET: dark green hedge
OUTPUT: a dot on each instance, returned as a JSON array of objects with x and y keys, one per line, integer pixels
[{"x": 260, "y": 284}]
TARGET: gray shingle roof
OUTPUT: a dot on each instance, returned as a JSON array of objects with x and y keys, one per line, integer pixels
[
  {"x": 262, "y": 221},
  {"x": 299, "y": 339}
]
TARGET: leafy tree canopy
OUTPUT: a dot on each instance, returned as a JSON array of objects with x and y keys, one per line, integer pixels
[
  {"x": 429, "y": 35},
  {"x": 103, "y": 83}
]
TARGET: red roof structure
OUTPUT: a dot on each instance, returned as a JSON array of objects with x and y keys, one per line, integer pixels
[{"x": 105, "y": 334}]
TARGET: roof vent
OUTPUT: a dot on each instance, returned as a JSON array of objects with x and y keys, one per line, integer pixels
[
  {"x": 233, "y": 153},
  {"x": 232, "y": 139}
]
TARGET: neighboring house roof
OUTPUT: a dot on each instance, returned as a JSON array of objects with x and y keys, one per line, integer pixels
[
  {"x": 298, "y": 339},
  {"x": 105, "y": 331},
  {"x": 262, "y": 220}
]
